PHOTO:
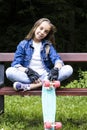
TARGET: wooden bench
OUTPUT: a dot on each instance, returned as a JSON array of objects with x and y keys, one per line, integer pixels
[{"x": 8, "y": 90}]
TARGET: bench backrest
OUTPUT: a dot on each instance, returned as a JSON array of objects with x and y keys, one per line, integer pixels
[{"x": 67, "y": 57}]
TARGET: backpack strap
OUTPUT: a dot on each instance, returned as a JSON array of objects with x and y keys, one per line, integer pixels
[{"x": 47, "y": 49}]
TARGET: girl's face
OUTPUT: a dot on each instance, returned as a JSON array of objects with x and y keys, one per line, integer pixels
[{"x": 42, "y": 31}]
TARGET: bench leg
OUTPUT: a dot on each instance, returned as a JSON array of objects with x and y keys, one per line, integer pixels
[
  {"x": 1, "y": 104},
  {"x": 1, "y": 75}
]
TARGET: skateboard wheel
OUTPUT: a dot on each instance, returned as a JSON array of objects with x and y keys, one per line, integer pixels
[
  {"x": 47, "y": 84},
  {"x": 47, "y": 125},
  {"x": 58, "y": 125},
  {"x": 56, "y": 84}
]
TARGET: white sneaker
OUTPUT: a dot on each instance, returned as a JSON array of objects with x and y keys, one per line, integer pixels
[{"x": 18, "y": 86}]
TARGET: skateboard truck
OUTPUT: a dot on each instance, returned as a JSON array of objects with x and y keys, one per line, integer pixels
[
  {"x": 55, "y": 84},
  {"x": 56, "y": 125}
]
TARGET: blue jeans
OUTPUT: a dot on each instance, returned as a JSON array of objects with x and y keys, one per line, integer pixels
[{"x": 13, "y": 74}]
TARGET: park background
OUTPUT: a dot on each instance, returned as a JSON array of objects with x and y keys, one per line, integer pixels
[{"x": 70, "y": 17}]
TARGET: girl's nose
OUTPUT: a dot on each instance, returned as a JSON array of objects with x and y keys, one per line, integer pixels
[{"x": 42, "y": 31}]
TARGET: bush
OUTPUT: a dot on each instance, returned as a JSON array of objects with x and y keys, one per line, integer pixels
[{"x": 80, "y": 83}]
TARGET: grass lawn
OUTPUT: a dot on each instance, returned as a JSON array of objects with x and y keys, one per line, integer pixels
[{"x": 25, "y": 113}]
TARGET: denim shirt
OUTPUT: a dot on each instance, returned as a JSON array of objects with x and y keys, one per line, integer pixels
[{"x": 23, "y": 54}]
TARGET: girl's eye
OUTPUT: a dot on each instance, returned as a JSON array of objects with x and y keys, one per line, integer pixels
[
  {"x": 41, "y": 28},
  {"x": 45, "y": 31}
]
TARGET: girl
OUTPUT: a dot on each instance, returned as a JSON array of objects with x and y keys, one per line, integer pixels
[{"x": 36, "y": 59}]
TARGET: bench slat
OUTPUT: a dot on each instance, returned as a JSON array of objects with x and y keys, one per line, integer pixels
[
  {"x": 74, "y": 57},
  {"x": 72, "y": 92},
  {"x": 67, "y": 57},
  {"x": 61, "y": 91},
  {"x": 6, "y": 57}
]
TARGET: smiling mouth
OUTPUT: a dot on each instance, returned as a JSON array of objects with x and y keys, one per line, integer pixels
[{"x": 40, "y": 36}]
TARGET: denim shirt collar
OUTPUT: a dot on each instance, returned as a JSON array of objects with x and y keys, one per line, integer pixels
[{"x": 44, "y": 43}]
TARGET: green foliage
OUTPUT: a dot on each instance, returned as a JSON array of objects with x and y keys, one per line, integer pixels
[
  {"x": 21, "y": 113},
  {"x": 83, "y": 79},
  {"x": 72, "y": 112},
  {"x": 81, "y": 82},
  {"x": 25, "y": 113}
]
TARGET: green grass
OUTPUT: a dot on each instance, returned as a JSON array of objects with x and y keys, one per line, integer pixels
[{"x": 25, "y": 113}]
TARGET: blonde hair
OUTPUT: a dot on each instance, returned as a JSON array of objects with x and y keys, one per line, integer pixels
[{"x": 50, "y": 37}]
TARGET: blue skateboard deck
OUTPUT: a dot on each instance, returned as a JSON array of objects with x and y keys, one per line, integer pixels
[{"x": 48, "y": 105}]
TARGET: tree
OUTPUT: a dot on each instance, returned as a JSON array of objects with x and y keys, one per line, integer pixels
[{"x": 70, "y": 18}]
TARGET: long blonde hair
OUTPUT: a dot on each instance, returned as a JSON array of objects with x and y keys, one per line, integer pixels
[{"x": 50, "y": 37}]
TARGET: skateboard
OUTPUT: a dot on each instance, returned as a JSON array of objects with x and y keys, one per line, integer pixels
[
  {"x": 51, "y": 84},
  {"x": 56, "y": 125},
  {"x": 49, "y": 105}
]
